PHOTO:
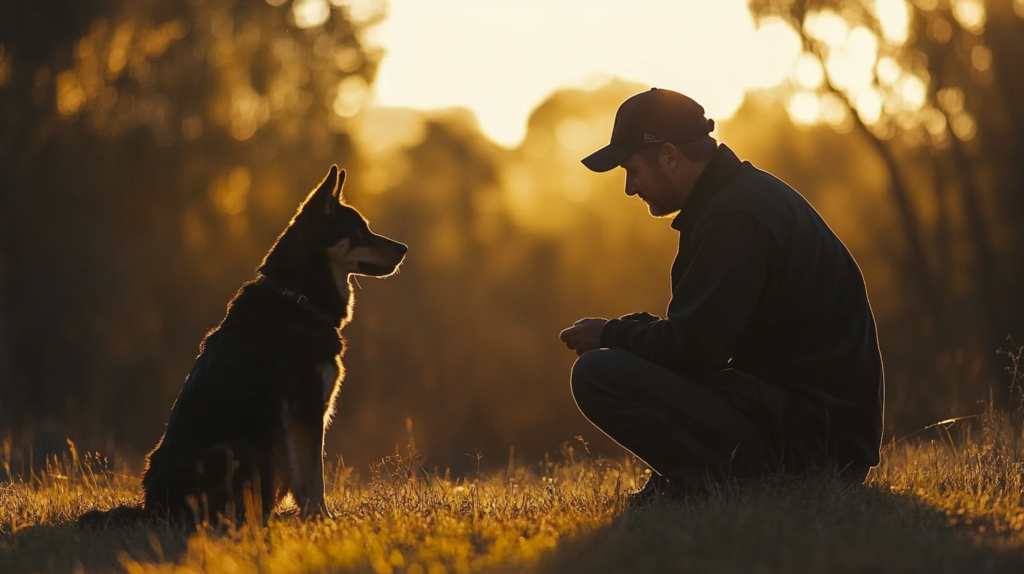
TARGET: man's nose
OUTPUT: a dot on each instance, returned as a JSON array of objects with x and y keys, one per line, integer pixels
[{"x": 631, "y": 189}]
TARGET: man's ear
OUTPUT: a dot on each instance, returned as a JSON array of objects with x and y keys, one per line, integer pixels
[{"x": 668, "y": 156}]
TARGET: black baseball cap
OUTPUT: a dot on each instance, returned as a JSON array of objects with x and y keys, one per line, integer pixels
[{"x": 650, "y": 118}]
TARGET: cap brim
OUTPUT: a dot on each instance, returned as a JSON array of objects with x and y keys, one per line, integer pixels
[{"x": 608, "y": 158}]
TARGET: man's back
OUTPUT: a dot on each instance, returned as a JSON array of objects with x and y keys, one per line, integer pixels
[{"x": 812, "y": 331}]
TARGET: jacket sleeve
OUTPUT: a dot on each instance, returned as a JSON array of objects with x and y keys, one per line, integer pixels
[{"x": 713, "y": 301}]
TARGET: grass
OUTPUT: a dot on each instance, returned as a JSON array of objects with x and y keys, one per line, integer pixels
[{"x": 952, "y": 503}]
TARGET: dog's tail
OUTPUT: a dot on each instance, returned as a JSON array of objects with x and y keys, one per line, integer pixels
[{"x": 119, "y": 517}]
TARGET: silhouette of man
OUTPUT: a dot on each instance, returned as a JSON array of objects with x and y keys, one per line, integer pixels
[{"x": 767, "y": 360}]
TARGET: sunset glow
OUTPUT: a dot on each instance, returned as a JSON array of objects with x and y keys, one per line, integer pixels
[{"x": 501, "y": 59}]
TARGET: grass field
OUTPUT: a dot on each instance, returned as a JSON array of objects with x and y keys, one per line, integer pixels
[{"x": 946, "y": 500}]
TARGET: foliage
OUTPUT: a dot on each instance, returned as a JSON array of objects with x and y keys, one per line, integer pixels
[{"x": 149, "y": 154}]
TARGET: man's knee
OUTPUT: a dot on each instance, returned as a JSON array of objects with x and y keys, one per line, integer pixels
[{"x": 590, "y": 374}]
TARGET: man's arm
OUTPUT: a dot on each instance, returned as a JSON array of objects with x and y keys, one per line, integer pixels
[
  {"x": 713, "y": 301},
  {"x": 641, "y": 317},
  {"x": 585, "y": 334}
]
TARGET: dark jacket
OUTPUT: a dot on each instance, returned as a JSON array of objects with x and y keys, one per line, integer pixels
[{"x": 763, "y": 286}]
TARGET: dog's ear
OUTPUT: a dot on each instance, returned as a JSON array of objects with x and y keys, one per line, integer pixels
[
  {"x": 341, "y": 182},
  {"x": 323, "y": 197}
]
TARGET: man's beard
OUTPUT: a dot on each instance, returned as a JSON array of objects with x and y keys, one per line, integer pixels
[
  {"x": 666, "y": 189},
  {"x": 656, "y": 211}
]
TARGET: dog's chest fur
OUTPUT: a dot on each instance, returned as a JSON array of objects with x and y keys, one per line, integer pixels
[
  {"x": 267, "y": 352},
  {"x": 331, "y": 374}
]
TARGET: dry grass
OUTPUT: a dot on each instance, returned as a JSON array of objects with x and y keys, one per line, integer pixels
[
  {"x": 954, "y": 503},
  {"x": 403, "y": 520}
]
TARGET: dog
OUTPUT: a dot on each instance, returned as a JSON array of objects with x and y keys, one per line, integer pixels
[{"x": 247, "y": 428}]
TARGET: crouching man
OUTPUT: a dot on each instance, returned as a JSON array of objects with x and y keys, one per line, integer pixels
[{"x": 768, "y": 360}]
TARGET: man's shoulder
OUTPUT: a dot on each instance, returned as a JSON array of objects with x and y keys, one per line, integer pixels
[
  {"x": 752, "y": 186},
  {"x": 757, "y": 192},
  {"x": 768, "y": 200}
]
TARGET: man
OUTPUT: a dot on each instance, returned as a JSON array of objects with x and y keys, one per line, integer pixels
[{"x": 768, "y": 359}]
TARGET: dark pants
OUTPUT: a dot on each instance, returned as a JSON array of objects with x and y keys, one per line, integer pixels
[{"x": 734, "y": 426}]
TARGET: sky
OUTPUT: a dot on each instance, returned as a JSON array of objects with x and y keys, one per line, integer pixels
[{"x": 501, "y": 58}]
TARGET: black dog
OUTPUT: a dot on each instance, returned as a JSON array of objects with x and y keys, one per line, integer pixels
[{"x": 248, "y": 425}]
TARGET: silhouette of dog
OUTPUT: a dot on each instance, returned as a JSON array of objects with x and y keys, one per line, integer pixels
[{"x": 248, "y": 425}]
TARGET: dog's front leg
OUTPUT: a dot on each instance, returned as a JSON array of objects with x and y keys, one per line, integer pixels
[
  {"x": 317, "y": 502},
  {"x": 305, "y": 455},
  {"x": 314, "y": 503}
]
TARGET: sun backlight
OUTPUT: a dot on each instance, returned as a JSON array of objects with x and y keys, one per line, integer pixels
[{"x": 500, "y": 59}]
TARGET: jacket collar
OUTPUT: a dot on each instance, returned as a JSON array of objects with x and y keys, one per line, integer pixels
[{"x": 721, "y": 166}]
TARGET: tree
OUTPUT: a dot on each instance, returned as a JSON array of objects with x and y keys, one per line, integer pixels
[
  {"x": 150, "y": 153},
  {"x": 933, "y": 101}
]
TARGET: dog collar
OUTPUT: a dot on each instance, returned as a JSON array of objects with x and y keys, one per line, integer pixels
[{"x": 295, "y": 297}]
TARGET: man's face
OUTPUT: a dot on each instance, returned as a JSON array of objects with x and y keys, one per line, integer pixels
[{"x": 648, "y": 179}]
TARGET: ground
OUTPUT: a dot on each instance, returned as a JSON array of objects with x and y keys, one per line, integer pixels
[{"x": 949, "y": 499}]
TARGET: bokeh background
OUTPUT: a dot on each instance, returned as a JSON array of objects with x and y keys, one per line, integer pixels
[{"x": 151, "y": 151}]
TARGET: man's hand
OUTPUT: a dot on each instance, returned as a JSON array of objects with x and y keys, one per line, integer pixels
[
  {"x": 641, "y": 317},
  {"x": 584, "y": 335}
]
